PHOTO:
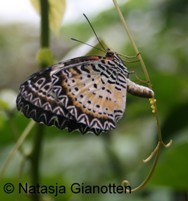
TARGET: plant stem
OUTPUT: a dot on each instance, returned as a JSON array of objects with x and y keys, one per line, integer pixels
[
  {"x": 37, "y": 147},
  {"x": 35, "y": 159},
  {"x": 45, "y": 34}
]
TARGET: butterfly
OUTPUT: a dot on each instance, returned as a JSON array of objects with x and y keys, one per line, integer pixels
[{"x": 84, "y": 93}]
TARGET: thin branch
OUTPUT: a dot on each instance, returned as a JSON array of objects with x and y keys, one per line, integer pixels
[
  {"x": 133, "y": 43},
  {"x": 18, "y": 144},
  {"x": 152, "y": 102},
  {"x": 35, "y": 159},
  {"x": 141, "y": 186}
]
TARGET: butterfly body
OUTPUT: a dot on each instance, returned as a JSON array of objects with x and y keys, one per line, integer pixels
[{"x": 84, "y": 93}]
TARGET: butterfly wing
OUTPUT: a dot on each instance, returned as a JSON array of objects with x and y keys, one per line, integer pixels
[{"x": 83, "y": 93}]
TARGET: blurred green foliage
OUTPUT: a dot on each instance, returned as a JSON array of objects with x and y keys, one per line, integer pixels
[{"x": 160, "y": 30}]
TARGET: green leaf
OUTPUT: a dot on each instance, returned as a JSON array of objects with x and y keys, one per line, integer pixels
[{"x": 56, "y": 12}]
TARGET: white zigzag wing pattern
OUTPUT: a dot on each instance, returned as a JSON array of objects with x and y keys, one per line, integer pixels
[{"x": 85, "y": 93}]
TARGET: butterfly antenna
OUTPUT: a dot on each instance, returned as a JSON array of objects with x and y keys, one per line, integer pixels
[
  {"x": 94, "y": 32},
  {"x": 74, "y": 39}
]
